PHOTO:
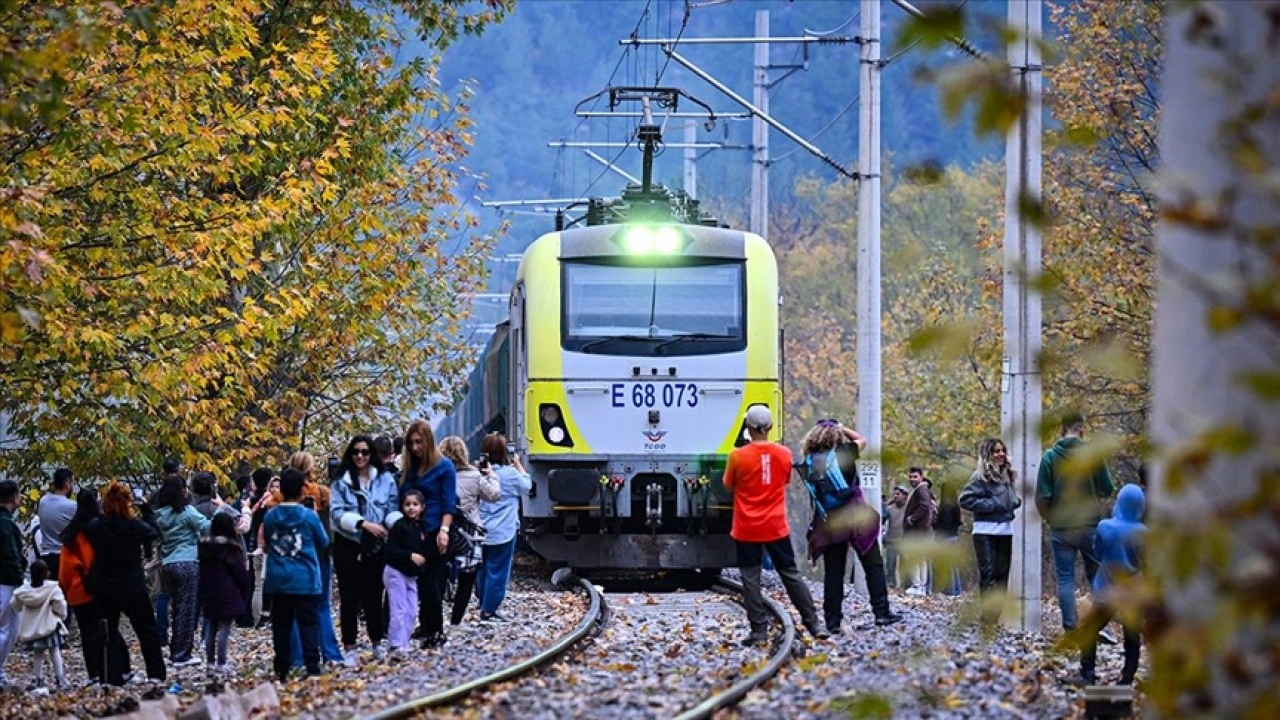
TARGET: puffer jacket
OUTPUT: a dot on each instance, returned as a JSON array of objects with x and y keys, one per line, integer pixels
[{"x": 988, "y": 500}]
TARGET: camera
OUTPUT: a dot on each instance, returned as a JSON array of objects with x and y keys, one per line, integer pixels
[{"x": 511, "y": 449}]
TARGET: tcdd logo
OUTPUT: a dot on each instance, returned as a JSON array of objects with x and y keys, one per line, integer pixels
[{"x": 654, "y": 438}]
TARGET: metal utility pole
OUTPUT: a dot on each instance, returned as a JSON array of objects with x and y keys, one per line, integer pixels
[
  {"x": 691, "y": 158},
  {"x": 868, "y": 271},
  {"x": 1021, "y": 401},
  {"x": 760, "y": 132}
]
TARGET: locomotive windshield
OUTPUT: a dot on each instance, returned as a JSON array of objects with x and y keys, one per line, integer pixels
[{"x": 613, "y": 309}]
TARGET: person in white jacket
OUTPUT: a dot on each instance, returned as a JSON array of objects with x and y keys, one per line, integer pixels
[{"x": 42, "y": 609}]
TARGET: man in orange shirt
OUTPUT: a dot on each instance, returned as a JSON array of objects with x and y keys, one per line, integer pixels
[{"x": 758, "y": 474}]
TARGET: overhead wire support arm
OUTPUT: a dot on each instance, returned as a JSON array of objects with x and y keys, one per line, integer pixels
[
  {"x": 801, "y": 39},
  {"x": 791, "y": 135},
  {"x": 605, "y": 162}
]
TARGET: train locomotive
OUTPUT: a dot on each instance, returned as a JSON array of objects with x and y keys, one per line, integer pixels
[{"x": 633, "y": 348}]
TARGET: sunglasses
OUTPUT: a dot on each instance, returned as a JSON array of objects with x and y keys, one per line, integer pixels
[
  {"x": 828, "y": 423},
  {"x": 361, "y": 452}
]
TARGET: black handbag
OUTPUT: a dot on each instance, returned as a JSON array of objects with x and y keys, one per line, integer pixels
[{"x": 464, "y": 536}]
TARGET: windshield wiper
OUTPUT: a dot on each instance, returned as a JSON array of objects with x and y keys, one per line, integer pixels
[
  {"x": 601, "y": 341},
  {"x": 657, "y": 349}
]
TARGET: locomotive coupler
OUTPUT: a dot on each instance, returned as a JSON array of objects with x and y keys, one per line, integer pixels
[{"x": 653, "y": 507}]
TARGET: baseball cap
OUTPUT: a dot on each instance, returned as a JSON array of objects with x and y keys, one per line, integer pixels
[
  {"x": 902, "y": 489},
  {"x": 759, "y": 417}
]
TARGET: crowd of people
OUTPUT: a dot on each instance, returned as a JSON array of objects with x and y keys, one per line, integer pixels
[
  {"x": 384, "y": 524},
  {"x": 184, "y": 561},
  {"x": 1071, "y": 499}
]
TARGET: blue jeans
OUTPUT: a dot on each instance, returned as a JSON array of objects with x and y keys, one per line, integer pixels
[
  {"x": 492, "y": 578},
  {"x": 953, "y": 588},
  {"x": 1066, "y": 543}
]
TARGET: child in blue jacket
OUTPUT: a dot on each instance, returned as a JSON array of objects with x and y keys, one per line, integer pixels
[
  {"x": 294, "y": 537},
  {"x": 1118, "y": 546}
]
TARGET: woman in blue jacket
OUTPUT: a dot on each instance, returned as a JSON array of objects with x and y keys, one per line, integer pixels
[
  {"x": 433, "y": 475},
  {"x": 501, "y": 520},
  {"x": 359, "y": 501}
]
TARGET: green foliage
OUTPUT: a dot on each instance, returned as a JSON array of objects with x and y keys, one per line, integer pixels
[{"x": 224, "y": 231}]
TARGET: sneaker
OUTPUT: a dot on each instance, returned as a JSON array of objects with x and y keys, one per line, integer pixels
[
  {"x": 432, "y": 642},
  {"x": 187, "y": 662},
  {"x": 757, "y": 637},
  {"x": 835, "y": 630},
  {"x": 889, "y": 619},
  {"x": 817, "y": 630},
  {"x": 40, "y": 691},
  {"x": 914, "y": 590},
  {"x": 1081, "y": 680},
  {"x": 1106, "y": 638},
  {"x": 379, "y": 652},
  {"x": 349, "y": 658},
  {"x": 492, "y": 617}
]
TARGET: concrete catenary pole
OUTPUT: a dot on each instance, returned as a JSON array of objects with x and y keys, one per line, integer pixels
[
  {"x": 1021, "y": 400},
  {"x": 1221, "y": 66},
  {"x": 691, "y": 158},
  {"x": 760, "y": 132},
  {"x": 868, "y": 264}
]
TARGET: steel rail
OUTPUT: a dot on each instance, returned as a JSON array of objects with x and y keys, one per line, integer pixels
[
  {"x": 596, "y": 613},
  {"x": 736, "y": 692}
]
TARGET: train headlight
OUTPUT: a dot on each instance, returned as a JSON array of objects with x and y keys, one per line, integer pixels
[
  {"x": 652, "y": 240},
  {"x": 551, "y": 420}
]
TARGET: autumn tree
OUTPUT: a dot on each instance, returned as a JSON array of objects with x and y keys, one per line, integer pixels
[
  {"x": 226, "y": 222},
  {"x": 938, "y": 395},
  {"x": 1098, "y": 197}
]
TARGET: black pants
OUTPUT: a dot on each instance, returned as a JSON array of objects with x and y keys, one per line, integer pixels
[
  {"x": 93, "y": 644},
  {"x": 994, "y": 553},
  {"x": 359, "y": 588},
  {"x": 1093, "y": 624},
  {"x": 462, "y": 594},
  {"x": 305, "y": 610},
  {"x": 246, "y": 618},
  {"x": 431, "y": 591},
  {"x": 135, "y": 605},
  {"x": 833, "y": 560}
]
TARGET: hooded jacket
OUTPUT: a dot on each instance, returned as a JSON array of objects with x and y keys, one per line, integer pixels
[
  {"x": 1118, "y": 542},
  {"x": 1070, "y": 501},
  {"x": 294, "y": 538},
  {"x": 350, "y": 506},
  {"x": 41, "y": 610}
]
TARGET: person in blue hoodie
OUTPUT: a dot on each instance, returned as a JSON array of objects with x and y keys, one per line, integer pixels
[
  {"x": 433, "y": 475},
  {"x": 294, "y": 537},
  {"x": 1118, "y": 547}
]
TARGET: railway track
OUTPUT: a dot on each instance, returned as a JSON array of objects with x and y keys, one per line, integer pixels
[{"x": 635, "y": 665}]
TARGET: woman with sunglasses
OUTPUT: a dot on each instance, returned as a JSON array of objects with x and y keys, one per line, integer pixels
[{"x": 359, "y": 501}]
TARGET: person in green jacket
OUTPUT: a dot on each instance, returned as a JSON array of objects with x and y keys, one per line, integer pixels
[
  {"x": 12, "y": 566},
  {"x": 1069, "y": 494}
]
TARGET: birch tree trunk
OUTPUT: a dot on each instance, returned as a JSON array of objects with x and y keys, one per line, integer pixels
[{"x": 1214, "y": 551}]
